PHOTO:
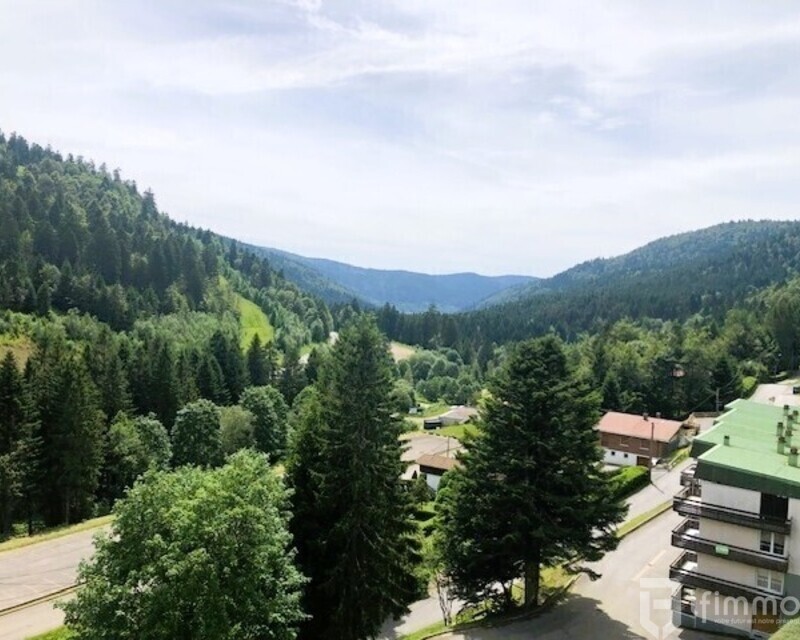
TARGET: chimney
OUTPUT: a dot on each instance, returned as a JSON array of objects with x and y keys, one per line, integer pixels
[
  {"x": 786, "y": 409},
  {"x": 779, "y": 429},
  {"x": 793, "y": 457},
  {"x": 781, "y": 445},
  {"x": 658, "y": 415},
  {"x": 726, "y": 441},
  {"x": 644, "y": 415}
]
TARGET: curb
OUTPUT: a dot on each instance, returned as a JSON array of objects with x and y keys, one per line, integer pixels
[
  {"x": 657, "y": 511},
  {"x": 45, "y": 598}
]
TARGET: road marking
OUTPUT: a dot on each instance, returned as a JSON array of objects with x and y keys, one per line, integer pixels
[{"x": 658, "y": 556}]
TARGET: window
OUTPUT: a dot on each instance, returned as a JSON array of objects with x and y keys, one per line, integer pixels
[
  {"x": 769, "y": 580},
  {"x": 625, "y": 441},
  {"x": 625, "y": 454},
  {"x": 613, "y": 453},
  {"x": 772, "y": 543},
  {"x": 644, "y": 445}
]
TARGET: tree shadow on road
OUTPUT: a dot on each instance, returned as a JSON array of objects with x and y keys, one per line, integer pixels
[{"x": 576, "y": 618}]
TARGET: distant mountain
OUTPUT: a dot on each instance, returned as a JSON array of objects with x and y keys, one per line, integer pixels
[
  {"x": 709, "y": 271},
  {"x": 407, "y": 291}
]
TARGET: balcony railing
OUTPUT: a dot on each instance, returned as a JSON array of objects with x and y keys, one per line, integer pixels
[
  {"x": 684, "y": 571},
  {"x": 683, "y": 602},
  {"x": 688, "y": 505},
  {"x": 686, "y": 536},
  {"x": 687, "y": 475}
]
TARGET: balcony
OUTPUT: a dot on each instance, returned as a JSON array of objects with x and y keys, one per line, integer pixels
[
  {"x": 687, "y": 536},
  {"x": 689, "y": 505},
  {"x": 684, "y": 571},
  {"x": 687, "y": 476},
  {"x": 683, "y": 601}
]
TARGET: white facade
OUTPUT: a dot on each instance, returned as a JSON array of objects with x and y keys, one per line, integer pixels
[
  {"x": 618, "y": 458},
  {"x": 738, "y": 613}
]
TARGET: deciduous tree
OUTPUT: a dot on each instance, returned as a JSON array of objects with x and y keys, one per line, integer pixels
[{"x": 194, "y": 554}]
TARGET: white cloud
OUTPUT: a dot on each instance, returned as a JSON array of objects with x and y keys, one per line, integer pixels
[{"x": 455, "y": 135}]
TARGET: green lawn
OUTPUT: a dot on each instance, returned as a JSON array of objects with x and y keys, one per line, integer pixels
[
  {"x": 254, "y": 321},
  {"x": 458, "y": 431},
  {"x": 62, "y": 633},
  {"x": 790, "y": 631}
]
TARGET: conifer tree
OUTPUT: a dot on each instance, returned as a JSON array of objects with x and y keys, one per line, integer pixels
[
  {"x": 71, "y": 431},
  {"x": 18, "y": 444},
  {"x": 352, "y": 514},
  {"x": 531, "y": 491},
  {"x": 256, "y": 365}
]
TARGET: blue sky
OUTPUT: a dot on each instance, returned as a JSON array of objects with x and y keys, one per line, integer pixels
[{"x": 431, "y": 135}]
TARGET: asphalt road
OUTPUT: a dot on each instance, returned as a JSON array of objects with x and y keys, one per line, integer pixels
[
  {"x": 664, "y": 485},
  {"x": 617, "y": 606},
  {"x": 34, "y": 572},
  {"x": 31, "y": 621}
]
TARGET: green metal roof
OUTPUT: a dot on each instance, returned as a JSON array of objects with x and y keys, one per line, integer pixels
[{"x": 751, "y": 459}]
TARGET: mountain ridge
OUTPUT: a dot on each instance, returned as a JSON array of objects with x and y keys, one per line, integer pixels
[{"x": 406, "y": 290}]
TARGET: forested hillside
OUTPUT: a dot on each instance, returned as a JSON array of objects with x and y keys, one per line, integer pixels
[
  {"x": 708, "y": 270},
  {"x": 113, "y": 320},
  {"x": 406, "y": 290}
]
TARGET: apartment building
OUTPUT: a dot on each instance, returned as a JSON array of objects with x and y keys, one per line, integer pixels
[{"x": 739, "y": 566}]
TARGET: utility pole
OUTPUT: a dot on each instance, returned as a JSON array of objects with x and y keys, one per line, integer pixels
[{"x": 717, "y": 405}]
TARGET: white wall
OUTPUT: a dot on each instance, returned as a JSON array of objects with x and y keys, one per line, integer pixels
[
  {"x": 726, "y": 569},
  {"x": 619, "y": 458},
  {"x": 793, "y": 539},
  {"x": 433, "y": 481},
  {"x": 732, "y": 497},
  {"x": 730, "y": 534}
]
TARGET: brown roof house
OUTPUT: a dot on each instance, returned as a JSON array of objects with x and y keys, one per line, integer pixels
[
  {"x": 629, "y": 439},
  {"x": 434, "y": 467}
]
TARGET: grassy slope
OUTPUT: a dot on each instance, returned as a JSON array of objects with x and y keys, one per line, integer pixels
[
  {"x": 401, "y": 351},
  {"x": 254, "y": 321},
  {"x": 21, "y": 347}
]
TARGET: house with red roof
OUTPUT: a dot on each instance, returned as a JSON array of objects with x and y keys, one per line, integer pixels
[{"x": 629, "y": 439}]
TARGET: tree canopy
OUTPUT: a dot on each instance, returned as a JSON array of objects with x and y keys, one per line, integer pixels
[{"x": 211, "y": 560}]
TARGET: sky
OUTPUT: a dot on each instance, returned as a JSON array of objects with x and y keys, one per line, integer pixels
[{"x": 430, "y": 135}]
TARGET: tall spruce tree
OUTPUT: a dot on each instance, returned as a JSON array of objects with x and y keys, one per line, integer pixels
[
  {"x": 18, "y": 445},
  {"x": 352, "y": 515},
  {"x": 531, "y": 492},
  {"x": 72, "y": 430}
]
